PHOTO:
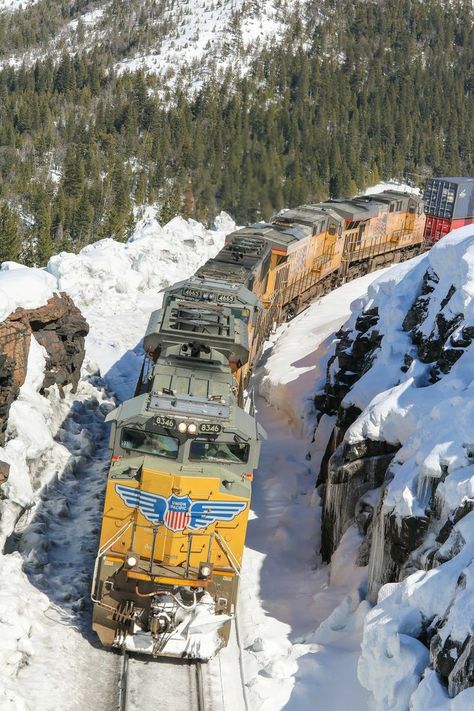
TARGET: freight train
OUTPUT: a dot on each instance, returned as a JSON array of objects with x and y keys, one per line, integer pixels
[{"x": 185, "y": 447}]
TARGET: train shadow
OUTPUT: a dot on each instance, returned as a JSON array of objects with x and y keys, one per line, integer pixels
[{"x": 122, "y": 376}]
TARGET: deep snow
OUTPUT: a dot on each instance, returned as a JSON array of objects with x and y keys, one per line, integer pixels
[{"x": 301, "y": 623}]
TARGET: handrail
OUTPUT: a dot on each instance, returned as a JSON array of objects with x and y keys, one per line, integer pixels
[{"x": 232, "y": 559}]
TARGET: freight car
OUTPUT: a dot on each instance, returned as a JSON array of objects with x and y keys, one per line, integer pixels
[
  {"x": 185, "y": 447},
  {"x": 449, "y": 204}
]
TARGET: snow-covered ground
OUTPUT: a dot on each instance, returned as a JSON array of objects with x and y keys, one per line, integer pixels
[
  {"x": 301, "y": 621},
  {"x": 204, "y": 32},
  {"x": 192, "y": 38},
  {"x": 11, "y": 5}
]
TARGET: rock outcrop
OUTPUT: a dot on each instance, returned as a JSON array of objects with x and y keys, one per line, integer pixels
[
  {"x": 393, "y": 468},
  {"x": 58, "y": 326}
]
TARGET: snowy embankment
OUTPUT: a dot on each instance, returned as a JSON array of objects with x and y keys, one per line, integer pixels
[
  {"x": 301, "y": 621},
  {"x": 57, "y": 451}
]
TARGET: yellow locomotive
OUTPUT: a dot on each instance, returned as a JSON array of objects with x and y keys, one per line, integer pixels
[{"x": 185, "y": 447}]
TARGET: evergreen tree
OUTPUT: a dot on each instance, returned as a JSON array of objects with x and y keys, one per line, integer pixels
[
  {"x": 42, "y": 229},
  {"x": 10, "y": 245}
]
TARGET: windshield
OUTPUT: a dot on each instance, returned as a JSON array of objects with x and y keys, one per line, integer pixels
[
  {"x": 223, "y": 451},
  {"x": 150, "y": 443}
]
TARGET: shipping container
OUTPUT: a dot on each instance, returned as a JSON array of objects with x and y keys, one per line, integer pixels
[{"x": 449, "y": 204}]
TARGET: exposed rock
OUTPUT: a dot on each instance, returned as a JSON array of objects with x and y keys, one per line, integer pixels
[
  {"x": 347, "y": 482},
  {"x": 466, "y": 507},
  {"x": 405, "y": 535},
  {"x": 4, "y": 472},
  {"x": 58, "y": 326}
]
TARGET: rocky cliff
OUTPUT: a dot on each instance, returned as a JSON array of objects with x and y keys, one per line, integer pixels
[
  {"x": 60, "y": 328},
  {"x": 400, "y": 466}
]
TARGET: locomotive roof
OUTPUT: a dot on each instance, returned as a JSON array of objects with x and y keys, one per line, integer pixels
[
  {"x": 393, "y": 195},
  {"x": 222, "y": 271},
  {"x": 353, "y": 209},
  {"x": 276, "y": 236},
  {"x": 303, "y": 214}
]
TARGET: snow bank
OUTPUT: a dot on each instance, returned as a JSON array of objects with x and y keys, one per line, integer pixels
[
  {"x": 434, "y": 422},
  {"x": 392, "y": 185},
  {"x": 393, "y": 660},
  {"x": 23, "y": 287},
  {"x": 20, "y": 605},
  {"x": 117, "y": 286},
  {"x": 109, "y": 273}
]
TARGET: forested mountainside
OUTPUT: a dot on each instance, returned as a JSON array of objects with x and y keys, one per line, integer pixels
[{"x": 293, "y": 102}]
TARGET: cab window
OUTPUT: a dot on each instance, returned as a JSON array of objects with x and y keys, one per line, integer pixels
[
  {"x": 150, "y": 443},
  {"x": 219, "y": 451}
]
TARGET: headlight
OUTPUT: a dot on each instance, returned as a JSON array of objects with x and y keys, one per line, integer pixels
[
  {"x": 205, "y": 570},
  {"x": 192, "y": 428},
  {"x": 131, "y": 561},
  {"x": 182, "y": 427}
]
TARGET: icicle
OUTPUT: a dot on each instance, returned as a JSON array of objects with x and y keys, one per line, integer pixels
[
  {"x": 424, "y": 488},
  {"x": 380, "y": 563}
]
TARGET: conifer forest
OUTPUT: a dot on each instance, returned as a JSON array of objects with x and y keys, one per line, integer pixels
[{"x": 349, "y": 95}]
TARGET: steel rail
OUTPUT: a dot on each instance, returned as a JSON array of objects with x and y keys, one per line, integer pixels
[
  {"x": 123, "y": 683},
  {"x": 201, "y": 705}
]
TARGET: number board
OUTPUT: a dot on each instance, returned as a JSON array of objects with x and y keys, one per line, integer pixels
[
  {"x": 209, "y": 428},
  {"x": 163, "y": 421},
  {"x": 193, "y": 293},
  {"x": 226, "y": 298}
]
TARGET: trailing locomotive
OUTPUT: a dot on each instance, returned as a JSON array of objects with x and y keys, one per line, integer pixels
[{"x": 185, "y": 447}]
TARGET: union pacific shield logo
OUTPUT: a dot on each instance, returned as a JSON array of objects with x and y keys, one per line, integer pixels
[
  {"x": 179, "y": 512},
  {"x": 177, "y": 515}
]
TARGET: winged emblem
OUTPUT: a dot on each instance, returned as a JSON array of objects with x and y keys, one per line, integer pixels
[
  {"x": 179, "y": 512},
  {"x": 152, "y": 506}
]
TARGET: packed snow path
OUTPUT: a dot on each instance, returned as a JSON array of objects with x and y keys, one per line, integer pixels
[
  {"x": 301, "y": 621},
  {"x": 164, "y": 684}
]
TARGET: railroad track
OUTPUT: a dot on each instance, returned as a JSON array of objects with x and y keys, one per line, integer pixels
[{"x": 161, "y": 685}]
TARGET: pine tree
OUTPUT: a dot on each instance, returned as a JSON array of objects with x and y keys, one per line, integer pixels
[
  {"x": 42, "y": 229},
  {"x": 10, "y": 244}
]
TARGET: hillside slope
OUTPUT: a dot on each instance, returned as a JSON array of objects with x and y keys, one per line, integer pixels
[{"x": 196, "y": 107}]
